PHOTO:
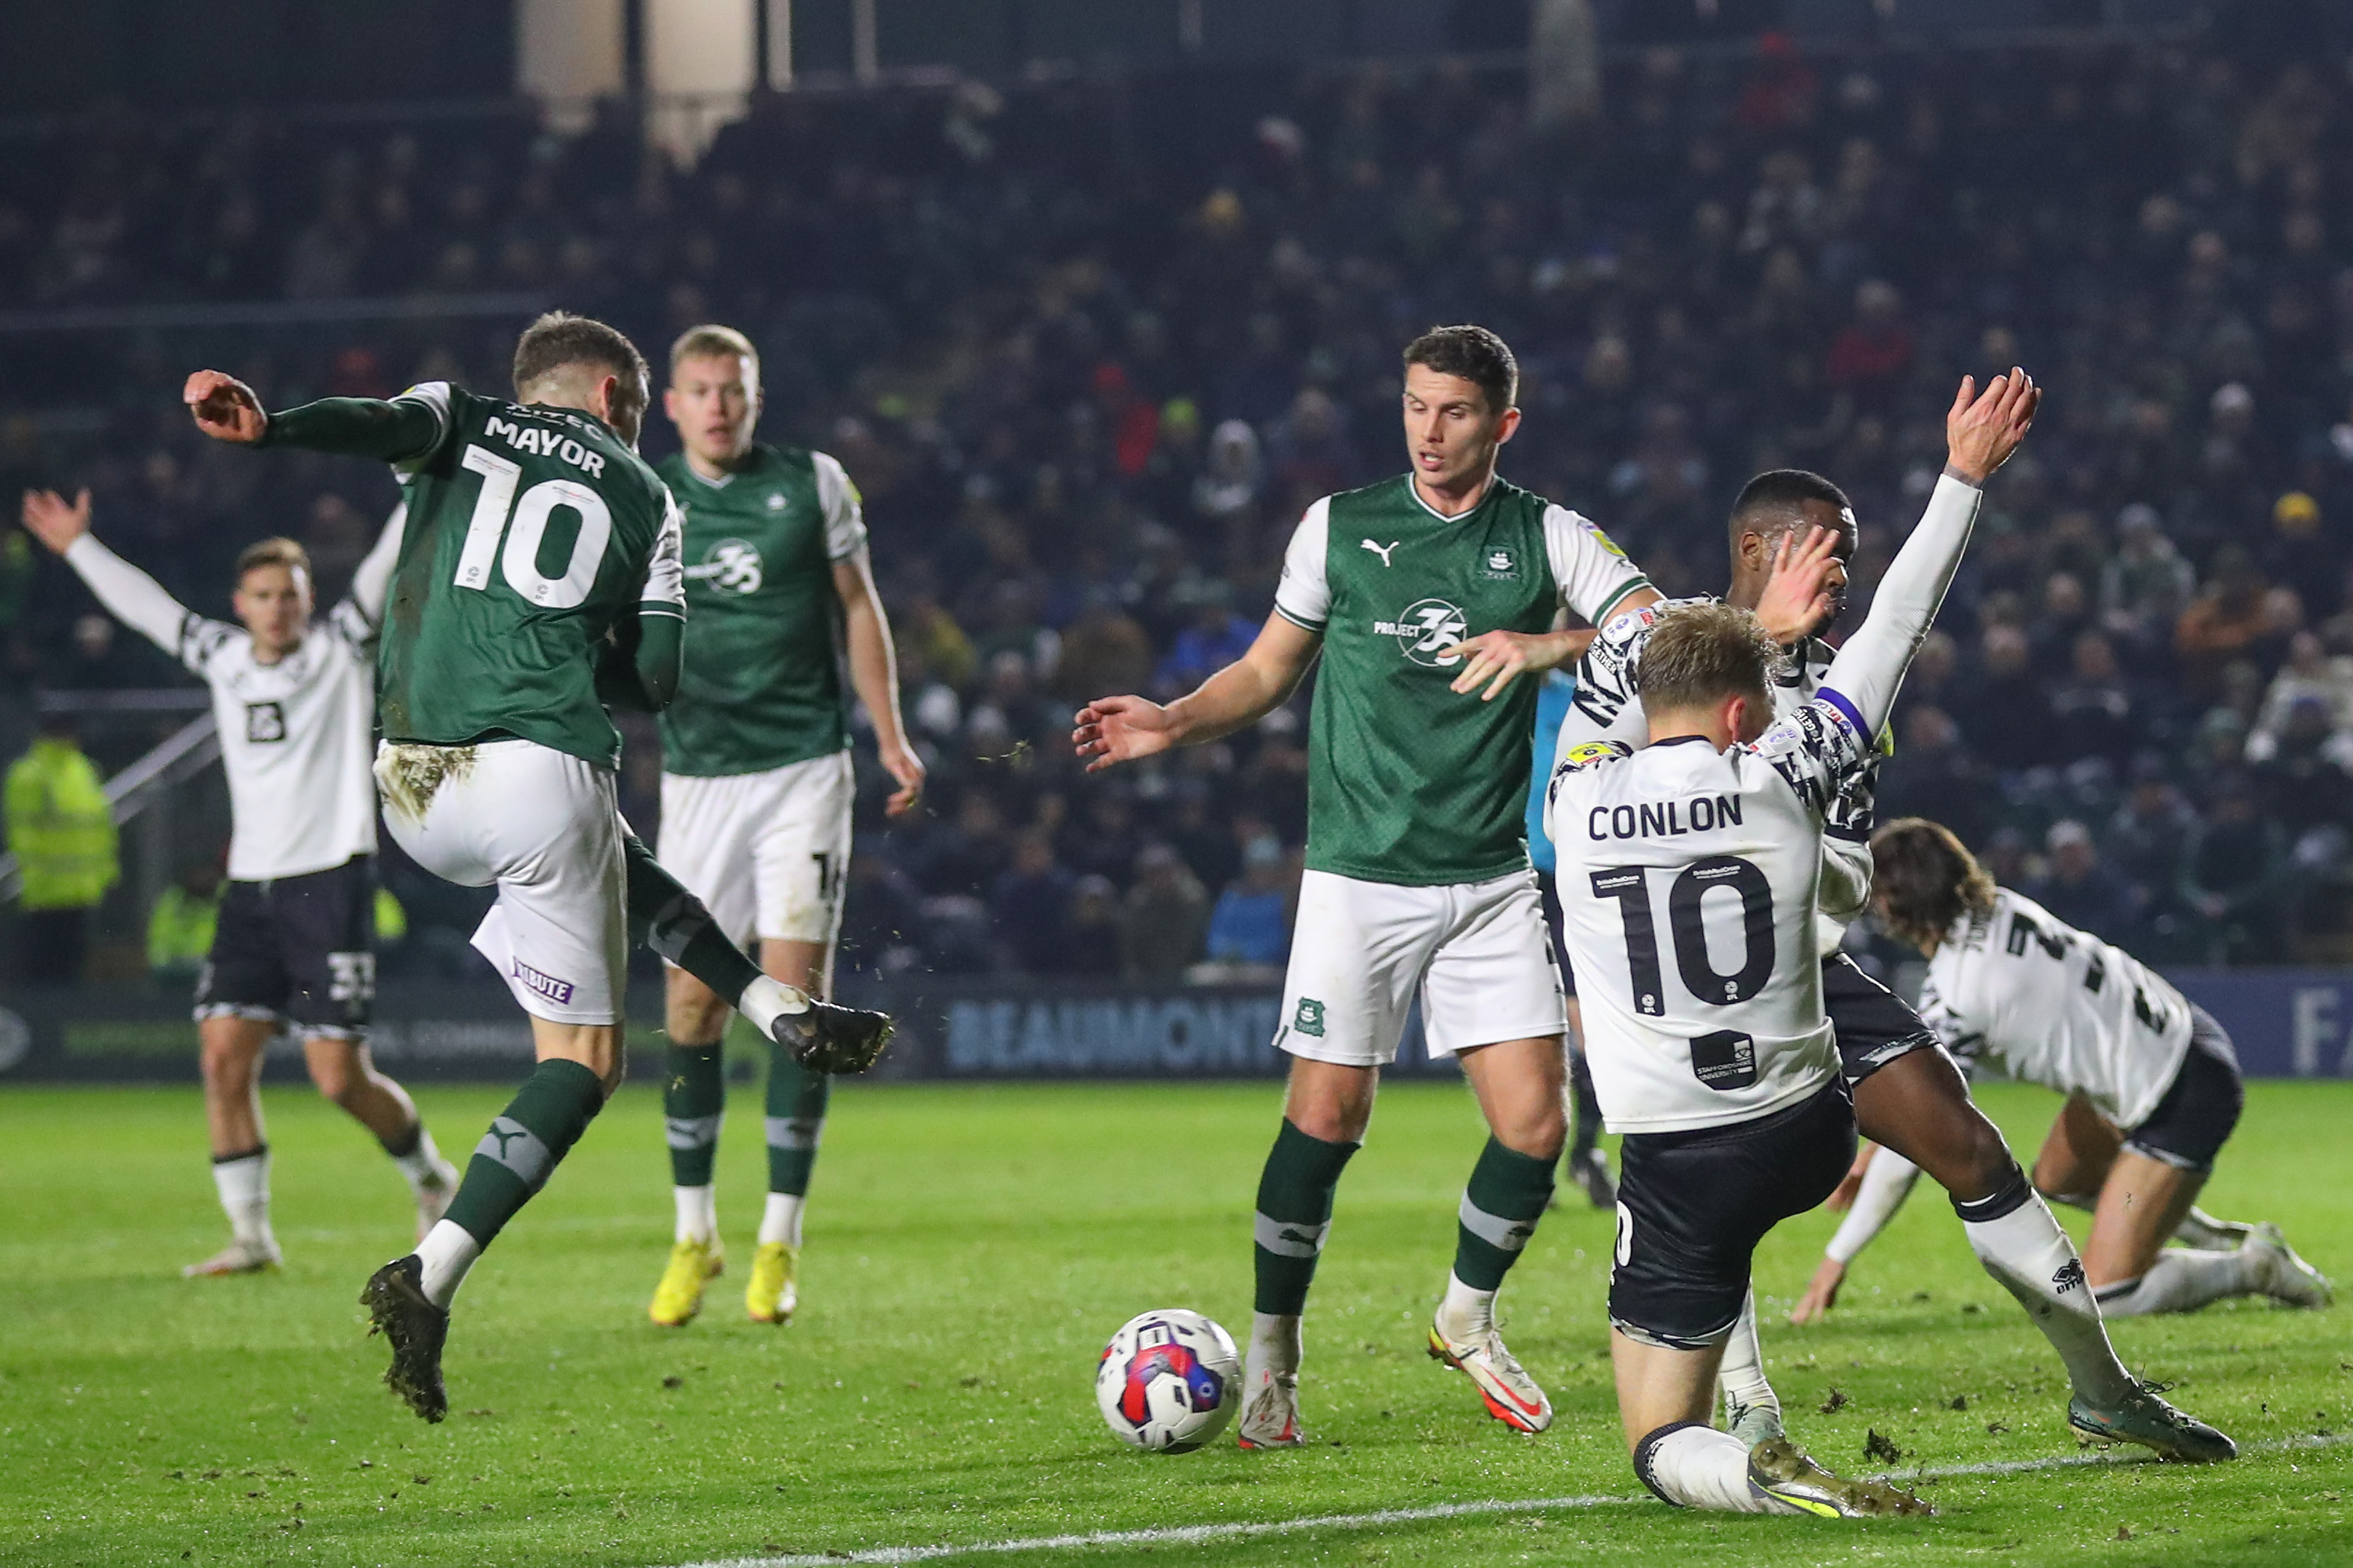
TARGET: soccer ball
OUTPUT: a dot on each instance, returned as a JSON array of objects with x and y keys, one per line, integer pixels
[{"x": 1169, "y": 1381}]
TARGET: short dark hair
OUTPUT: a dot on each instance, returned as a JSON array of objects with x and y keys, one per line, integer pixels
[
  {"x": 1475, "y": 354},
  {"x": 1925, "y": 879},
  {"x": 1775, "y": 499},
  {"x": 559, "y": 339},
  {"x": 1703, "y": 652}
]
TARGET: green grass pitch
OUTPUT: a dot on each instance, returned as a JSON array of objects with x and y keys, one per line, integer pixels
[{"x": 970, "y": 1249}]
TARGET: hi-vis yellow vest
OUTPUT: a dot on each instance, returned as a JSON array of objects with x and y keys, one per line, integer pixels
[{"x": 59, "y": 827}]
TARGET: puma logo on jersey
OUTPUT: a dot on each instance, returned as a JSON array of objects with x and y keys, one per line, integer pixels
[
  {"x": 546, "y": 444},
  {"x": 731, "y": 566},
  {"x": 1382, "y": 550}
]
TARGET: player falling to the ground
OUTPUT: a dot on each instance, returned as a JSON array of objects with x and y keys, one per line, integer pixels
[
  {"x": 756, "y": 781},
  {"x": 294, "y": 945},
  {"x": 2011, "y": 983},
  {"x": 534, "y": 534},
  {"x": 1427, "y": 594},
  {"x": 1692, "y": 874},
  {"x": 1790, "y": 535}
]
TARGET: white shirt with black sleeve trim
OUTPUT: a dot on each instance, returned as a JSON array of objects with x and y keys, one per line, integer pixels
[
  {"x": 296, "y": 736},
  {"x": 1688, "y": 882},
  {"x": 2018, "y": 987}
]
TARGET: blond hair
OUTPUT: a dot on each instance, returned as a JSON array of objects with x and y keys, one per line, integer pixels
[
  {"x": 1700, "y": 653},
  {"x": 712, "y": 341},
  {"x": 262, "y": 553}
]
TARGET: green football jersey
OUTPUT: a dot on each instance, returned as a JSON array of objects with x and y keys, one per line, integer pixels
[
  {"x": 760, "y": 686},
  {"x": 530, "y": 531},
  {"x": 1408, "y": 783}
]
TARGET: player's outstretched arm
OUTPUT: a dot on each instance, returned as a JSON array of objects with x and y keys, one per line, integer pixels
[
  {"x": 226, "y": 409},
  {"x": 874, "y": 673},
  {"x": 371, "y": 581},
  {"x": 1113, "y": 730},
  {"x": 1981, "y": 433},
  {"x": 1886, "y": 1182},
  {"x": 129, "y": 596}
]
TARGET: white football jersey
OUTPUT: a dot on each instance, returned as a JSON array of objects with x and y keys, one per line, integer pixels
[
  {"x": 1609, "y": 707},
  {"x": 297, "y": 737},
  {"x": 2056, "y": 1006},
  {"x": 1688, "y": 882}
]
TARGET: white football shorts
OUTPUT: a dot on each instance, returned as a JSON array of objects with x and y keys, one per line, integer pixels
[
  {"x": 1477, "y": 952},
  {"x": 768, "y": 853},
  {"x": 542, "y": 827}
]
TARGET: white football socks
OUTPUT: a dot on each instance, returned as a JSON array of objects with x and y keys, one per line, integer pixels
[
  {"x": 698, "y": 1214},
  {"x": 1466, "y": 1313},
  {"x": 2182, "y": 1281},
  {"x": 2026, "y": 1250},
  {"x": 244, "y": 1186},
  {"x": 1698, "y": 1467},
  {"x": 1275, "y": 1342},
  {"x": 781, "y": 1220},
  {"x": 447, "y": 1251},
  {"x": 766, "y": 1000},
  {"x": 1741, "y": 1375},
  {"x": 422, "y": 1164}
]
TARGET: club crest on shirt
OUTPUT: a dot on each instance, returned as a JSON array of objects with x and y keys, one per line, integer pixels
[
  {"x": 777, "y": 500},
  {"x": 1499, "y": 566},
  {"x": 1309, "y": 1020},
  {"x": 1423, "y": 628},
  {"x": 265, "y": 721},
  {"x": 730, "y": 567}
]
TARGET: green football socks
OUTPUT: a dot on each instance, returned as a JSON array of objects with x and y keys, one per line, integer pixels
[
  {"x": 797, "y": 1100},
  {"x": 525, "y": 1146},
  {"x": 1506, "y": 1196},
  {"x": 694, "y": 1101},
  {"x": 1294, "y": 1215}
]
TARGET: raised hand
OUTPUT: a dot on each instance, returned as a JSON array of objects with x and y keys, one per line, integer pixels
[
  {"x": 1982, "y": 431},
  {"x": 1801, "y": 592},
  {"x": 225, "y": 408},
  {"x": 1113, "y": 730},
  {"x": 55, "y": 522}
]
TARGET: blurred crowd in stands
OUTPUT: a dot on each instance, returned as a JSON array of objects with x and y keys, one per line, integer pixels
[{"x": 1089, "y": 348}]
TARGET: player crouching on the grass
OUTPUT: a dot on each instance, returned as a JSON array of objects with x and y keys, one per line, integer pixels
[
  {"x": 1427, "y": 596},
  {"x": 2011, "y": 983},
  {"x": 497, "y": 766},
  {"x": 756, "y": 779},
  {"x": 295, "y": 940},
  {"x": 1725, "y": 1082}
]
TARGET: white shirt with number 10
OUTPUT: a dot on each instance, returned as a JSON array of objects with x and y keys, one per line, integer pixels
[{"x": 1688, "y": 884}]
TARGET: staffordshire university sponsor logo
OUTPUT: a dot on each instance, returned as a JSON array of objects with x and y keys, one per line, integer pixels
[
  {"x": 1426, "y": 627},
  {"x": 730, "y": 567},
  {"x": 556, "y": 991}
]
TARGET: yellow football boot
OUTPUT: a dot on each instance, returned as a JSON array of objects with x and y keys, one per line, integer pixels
[
  {"x": 775, "y": 1289},
  {"x": 679, "y": 1297}
]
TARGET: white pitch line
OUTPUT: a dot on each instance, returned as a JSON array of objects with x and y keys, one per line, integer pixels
[{"x": 1198, "y": 1534}]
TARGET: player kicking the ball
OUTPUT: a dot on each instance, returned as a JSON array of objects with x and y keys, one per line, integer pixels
[
  {"x": 534, "y": 533},
  {"x": 1791, "y": 533},
  {"x": 1692, "y": 874},
  {"x": 295, "y": 942},
  {"x": 2011, "y": 984},
  {"x": 757, "y": 781},
  {"x": 1427, "y": 596}
]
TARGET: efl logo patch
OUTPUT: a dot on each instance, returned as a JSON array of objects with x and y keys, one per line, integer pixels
[
  {"x": 1310, "y": 1019},
  {"x": 265, "y": 721},
  {"x": 556, "y": 991}
]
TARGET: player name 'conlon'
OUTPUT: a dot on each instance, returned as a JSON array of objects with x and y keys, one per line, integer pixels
[{"x": 1701, "y": 814}]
